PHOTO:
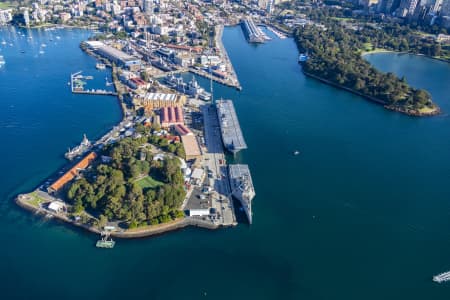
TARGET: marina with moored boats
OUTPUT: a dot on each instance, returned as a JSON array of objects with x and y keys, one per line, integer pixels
[{"x": 77, "y": 85}]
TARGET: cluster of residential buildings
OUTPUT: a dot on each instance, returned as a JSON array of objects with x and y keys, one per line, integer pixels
[
  {"x": 5, "y": 16},
  {"x": 431, "y": 11},
  {"x": 52, "y": 11}
]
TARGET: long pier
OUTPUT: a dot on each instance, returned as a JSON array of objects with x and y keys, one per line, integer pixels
[
  {"x": 234, "y": 79},
  {"x": 95, "y": 92}
]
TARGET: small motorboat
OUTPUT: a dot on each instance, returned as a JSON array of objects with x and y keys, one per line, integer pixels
[{"x": 296, "y": 152}]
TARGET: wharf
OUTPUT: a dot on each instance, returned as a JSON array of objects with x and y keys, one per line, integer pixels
[
  {"x": 215, "y": 78},
  {"x": 253, "y": 33},
  {"x": 224, "y": 54},
  {"x": 219, "y": 198},
  {"x": 95, "y": 92},
  {"x": 77, "y": 88}
]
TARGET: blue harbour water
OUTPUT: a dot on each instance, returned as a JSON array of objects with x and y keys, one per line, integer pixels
[{"x": 362, "y": 213}]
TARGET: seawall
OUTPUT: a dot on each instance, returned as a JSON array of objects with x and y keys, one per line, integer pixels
[{"x": 143, "y": 232}]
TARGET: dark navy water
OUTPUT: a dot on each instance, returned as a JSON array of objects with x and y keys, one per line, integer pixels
[{"x": 362, "y": 213}]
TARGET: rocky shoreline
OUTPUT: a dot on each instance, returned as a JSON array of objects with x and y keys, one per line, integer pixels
[{"x": 404, "y": 110}]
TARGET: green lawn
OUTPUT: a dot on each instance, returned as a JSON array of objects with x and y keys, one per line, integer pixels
[
  {"x": 426, "y": 110},
  {"x": 36, "y": 200},
  {"x": 5, "y": 5},
  {"x": 148, "y": 182},
  {"x": 367, "y": 47},
  {"x": 342, "y": 19}
]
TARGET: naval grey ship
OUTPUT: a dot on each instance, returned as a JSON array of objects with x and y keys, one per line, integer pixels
[
  {"x": 242, "y": 187},
  {"x": 84, "y": 146},
  {"x": 230, "y": 129}
]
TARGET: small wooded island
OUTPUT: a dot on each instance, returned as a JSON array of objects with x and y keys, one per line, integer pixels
[{"x": 334, "y": 57}]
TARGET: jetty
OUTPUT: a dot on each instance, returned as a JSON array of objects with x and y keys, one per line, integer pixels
[
  {"x": 95, "y": 92},
  {"x": 105, "y": 241},
  {"x": 77, "y": 86}
]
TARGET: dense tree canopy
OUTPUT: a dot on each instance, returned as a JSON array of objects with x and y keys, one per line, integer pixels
[
  {"x": 112, "y": 190},
  {"x": 335, "y": 55}
]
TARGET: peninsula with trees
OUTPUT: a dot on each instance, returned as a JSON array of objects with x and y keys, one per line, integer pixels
[
  {"x": 334, "y": 57},
  {"x": 131, "y": 185}
]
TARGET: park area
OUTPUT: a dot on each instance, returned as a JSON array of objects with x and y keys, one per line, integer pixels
[{"x": 148, "y": 182}]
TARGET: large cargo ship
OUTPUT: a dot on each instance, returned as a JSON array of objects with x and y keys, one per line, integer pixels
[
  {"x": 230, "y": 129},
  {"x": 242, "y": 187}
]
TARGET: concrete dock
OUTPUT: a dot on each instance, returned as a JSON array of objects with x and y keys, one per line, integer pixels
[
  {"x": 226, "y": 59},
  {"x": 214, "y": 162}
]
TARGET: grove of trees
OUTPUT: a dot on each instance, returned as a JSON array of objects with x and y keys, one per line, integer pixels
[
  {"x": 335, "y": 55},
  {"x": 111, "y": 191}
]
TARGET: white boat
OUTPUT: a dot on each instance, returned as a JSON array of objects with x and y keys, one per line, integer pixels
[
  {"x": 296, "y": 152},
  {"x": 302, "y": 57},
  {"x": 2, "y": 61},
  {"x": 442, "y": 277},
  {"x": 107, "y": 82}
]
